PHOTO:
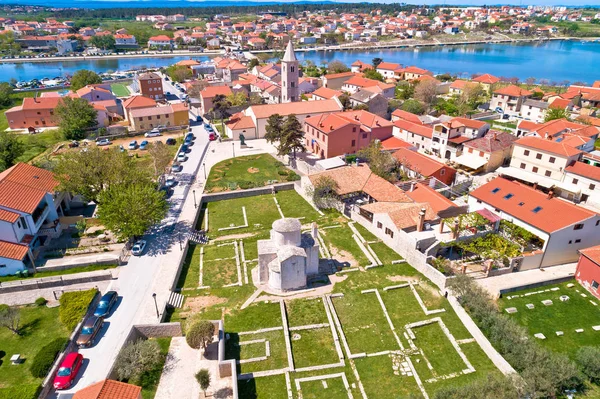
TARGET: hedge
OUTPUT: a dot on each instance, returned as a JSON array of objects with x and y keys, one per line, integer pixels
[
  {"x": 29, "y": 391},
  {"x": 74, "y": 305},
  {"x": 43, "y": 360}
]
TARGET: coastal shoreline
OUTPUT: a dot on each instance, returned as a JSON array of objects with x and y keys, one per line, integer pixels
[{"x": 361, "y": 47}]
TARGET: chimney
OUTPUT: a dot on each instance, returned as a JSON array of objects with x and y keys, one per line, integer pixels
[
  {"x": 535, "y": 186},
  {"x": 314, "y": 231},
  {"x": 550, "y": 194},
  {"x": 421, "y": 219},
  {"x": 412, "y": 186}
]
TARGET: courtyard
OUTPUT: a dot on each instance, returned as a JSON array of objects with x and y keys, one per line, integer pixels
[
  {"x": 564, "y": 314},
  {"x": 371, "y": 326}
]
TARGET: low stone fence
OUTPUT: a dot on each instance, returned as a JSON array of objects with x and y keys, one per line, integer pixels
[
  {"x": 252, "y": 192},
  {"x": 51, "y": 282},
  {"x": 71, "y": 347}
]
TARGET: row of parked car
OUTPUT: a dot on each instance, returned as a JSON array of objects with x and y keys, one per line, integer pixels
[
  {"x": 185, "y": 148},
  {"x": 71, "y": 364}
]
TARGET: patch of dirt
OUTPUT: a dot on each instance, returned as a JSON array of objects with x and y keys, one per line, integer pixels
[
  {"x": 234, "y": 236},
  {"x": 402, "y": 278},
  {"x": 195, "y": 304},
  {"x": 342, "y": 257},
  {"x": 253, "y": 170}
]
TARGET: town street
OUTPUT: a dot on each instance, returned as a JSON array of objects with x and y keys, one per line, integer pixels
[{"x": 141, "y": 277}]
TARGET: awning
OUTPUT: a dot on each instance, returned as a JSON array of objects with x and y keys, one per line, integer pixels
[
  {"x": 489, "y": 215},
  {"x": 471, "y": 161},
  {"x": 330, "y": 163},
  {"x": 530, "y": 177}
]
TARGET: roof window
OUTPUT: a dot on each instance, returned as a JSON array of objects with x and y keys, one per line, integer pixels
[
  {"x": 537, "y": 209},
  {"x": 494, "y": 191},
  {"x": 508, "y": 196}
]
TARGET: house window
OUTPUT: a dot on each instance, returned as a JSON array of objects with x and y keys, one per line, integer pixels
[
  {"x": 570, "y": 241},
  {"x": 538, "y": 156},
  {"x": 548, "y": 173},
  {"x": 592, "y": 186},
  {"x": 389, "y": 232},
  {"x": 23, "y": 222},
  {"x": 534, "y": 169},
  {"x": 594, "y": 284},
  {"x": 353, "y": 143},
  {"x": 522, "y": 166},
  {"x": 353, "y": 130},
  {"x": 526, "y": 153},
  {"x": 575, "y": 181},
  {"x": 552, "y": 159},
  {"x": 292, "y": 68},
  {"x": 537, "y": 209},
  {"x": 508, "y": 196},
  {"x": 470, "y": 150},
  {"x": 577, "y": 241},
  {"x": 494, "y": 191},
  {"x": 578, "y": 226},
  {"x": 481, "y": 153},
  {"x": 379, "y": 225},
  {"x": 442, "y": 172}
]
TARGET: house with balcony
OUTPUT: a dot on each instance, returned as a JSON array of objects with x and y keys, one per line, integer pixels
[
  {"x": 448, "y": 137},
  {"x": 509, "y": 99},
  {"x": 29, "y": 215}
]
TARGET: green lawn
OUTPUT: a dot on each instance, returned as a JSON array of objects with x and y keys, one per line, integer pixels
[
  {"x": 567, "y": 316},
  {"x": 38, "y": 326},
  {"x": 247, "y": 172},
  {"x": 120, "y": 90},
  {"x": 36, "y": 144},
  {"x": 341, "y": 242},
  {"x": 263, "y": 388},
  {"x": 306, "y": 312},
  {"x": 313, "y": 347}
]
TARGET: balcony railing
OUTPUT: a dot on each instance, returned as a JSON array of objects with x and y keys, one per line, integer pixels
[{"x": 38, "y": 213}]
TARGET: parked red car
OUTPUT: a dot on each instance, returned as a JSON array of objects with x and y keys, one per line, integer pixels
[
  {"x": 68, "y": 370},
  {"x": 212, "y": 137}
]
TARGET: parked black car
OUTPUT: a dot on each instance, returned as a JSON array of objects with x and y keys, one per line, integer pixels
[{"x": 106, "y": 303}]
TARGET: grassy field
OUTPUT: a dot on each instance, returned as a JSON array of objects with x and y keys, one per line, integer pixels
[
  {"x": 576, "y": 313},
  {"x": 247, "y": 172},
  {"x": 120, "y": 90},
  {"x": 39, "y": 326}
]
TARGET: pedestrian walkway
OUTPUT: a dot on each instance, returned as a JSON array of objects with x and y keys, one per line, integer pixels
[{"x": 530, "y": 277}]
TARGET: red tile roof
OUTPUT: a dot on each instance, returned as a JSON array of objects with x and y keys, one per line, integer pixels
[
  {"x": 138, "y": 102},
  {"x": 421, "y": 130},
  {"x": 546, "y": 145},
  {"x": 297, "y": 108},
  {"x": 493, "y": 141},
  {"x": 213, "y": 91},
  {"x": 366, "y": 119},
  {"x": 8, "y": 216},
  {"x": 326, "y": 93},
  {"x": 525, "y": 200},
  {"x": 403, "y": 215},
  {"x": 407, "y": 116},
  {"x": 109, "y": 389},
  {"x": 513, "y": 91},
  {"x": 394, "y": 143},
  {"x": 423, "y": 193},
  {"x": 419, "y": 162},
  {"x": 11, "y": 250},
  {"x": 585, "y": 170},
  {"x": 592, "y": 253},
  {"x": 487, "y": 79}
]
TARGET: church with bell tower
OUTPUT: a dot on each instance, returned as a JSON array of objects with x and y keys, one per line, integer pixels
[{"x": 289, "y": 76}]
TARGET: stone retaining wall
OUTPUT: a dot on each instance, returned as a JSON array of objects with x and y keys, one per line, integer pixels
[{"x": 51, "y": 282}]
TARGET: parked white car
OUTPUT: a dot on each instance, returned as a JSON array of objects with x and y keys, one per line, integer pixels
[
  {"x": 181, "y": 157},
  {"x": 138, "y": 247},
  {"x": 152, "y": 133}
]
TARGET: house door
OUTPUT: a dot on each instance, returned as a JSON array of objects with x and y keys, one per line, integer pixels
[{"x": 448, "y": 154}]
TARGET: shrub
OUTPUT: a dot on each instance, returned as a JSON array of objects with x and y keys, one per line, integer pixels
[
  {"x": 74, "y": 305},
  {"x": 43, "y": 360},
  {"x": 282, "y": 172},
  {"x": 200, "y": 334},
  {"x": 136, "y": 359},
  {"x": 245, "y": 184},
  {"x": 588, "y": 359},
  {"x": 29, "y": 391},
  {"x": 41, "y": 301}
]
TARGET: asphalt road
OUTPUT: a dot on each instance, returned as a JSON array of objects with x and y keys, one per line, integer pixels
[{"x": 135, "y": 281}]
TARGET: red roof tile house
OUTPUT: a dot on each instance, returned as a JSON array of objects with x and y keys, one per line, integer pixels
[
  {"x": 487, "y": 153},
  {"x": 109, "y": 389},
  {"x": 29, "y": 214},
  {"x": 417, "y": 165},
  {"x": 330, "y": 135},
  {"x": 564, "y": 227},
  {"x": 588, "y": 270},
  {"x": 509, "y": 99},
  {"x": 208, "y": 94}
]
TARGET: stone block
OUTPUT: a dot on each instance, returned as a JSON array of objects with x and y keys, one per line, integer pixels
[
  {"x": 596, "y": 328},
  {"x": 539, "y": 336},
  {"x": 554, "y": 289},
  {"x": 583, "y": 295},
  {"x": 579, "y": 330},
  {"x": 560, "y": 333},
  {"x": 570, "y": 285},
  {"x": 547, "y": 302},
  {"x": 564, "y": 298},
  {"x": 530, "y": 306},
  {"x": 511, "y": 310}
]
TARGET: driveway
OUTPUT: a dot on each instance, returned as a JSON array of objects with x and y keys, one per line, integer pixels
[{"x": 143, "y": 275}]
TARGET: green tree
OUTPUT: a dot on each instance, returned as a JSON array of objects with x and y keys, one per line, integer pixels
[
  {"x": 556, "y": 113},
  {"x": 83, "y": 77},
  {"x": 413, "y": 106},
  {"x": 337, "y": 67},
  {"x": 293, "y": 136},
  {"x": 404, "y": 90},
  {"x": 221, "y": 108},
  {"x": 426, "y": 92},
  {"x": 91, "y": 172},
  {"x": 196, "y": 88},
  {"x": 6, "y": 92},
  {"x": 274, "y": 128},
  {"x": 376, "y": 61},
  {"x": 104, "y": 42},
  {"x": 237, "y": 99},
  {"x": 75, "y": 116},
  {"x": 203, "y": 378},
  {"x": 252, "y": 63},
  {"x": 129, "y": 210},
  {"x": 588, "y": 360},
  {"x": 179, "y": 73},
  {"x": 323, "y": 192},
  {"x": 136, "y": 359},
  {"x": 382, "y": 163},
  {"x": 161, "y": 157},
  {"x": 11, "y": 148},
  {"x": 10, "y": 318},
  {"x": 373, "y": 74},
  {"x": 489, "y": 388},
  {"x": 200, "y": 334}
]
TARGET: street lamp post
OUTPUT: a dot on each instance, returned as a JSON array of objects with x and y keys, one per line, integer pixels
[
  {"x": 204, "y": 166},
  {"x": 233, "y": 148},
  {"x": 195, "y": 204},
  {"x": 180, "y": 246},
  {"x": 156, "y": 305}
]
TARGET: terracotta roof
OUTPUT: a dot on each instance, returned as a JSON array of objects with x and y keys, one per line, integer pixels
[
  {"x": 240, "y": 121},
  {"x": 141, "y": 112},
  {"x": 470, "y": 123},
  {"x": 394, "y": 143},
  {"x": 421, "y": 130},
  {"x": 297, "y": 108},
  {"x": 138, "y": 102},
  {"x": 8, "y": 216},
  {"x": 546, "y": 145},
  {"x": 487, "y": 79},
  {"x": 213, "y": 91},
  {"x": 527, "y": 125},
  {"x": 389, "y": 66},
  {"x": 341, "y": 75},
  {"x": 592, "y": 253},
  {"x": 148, "y": 75},
  {"x": 407, "y": 116},
  {"x": 403, "y": 215},
  {"x": 326, "y": 93},
  {"x": 531, "y": 206},
  {"x": 366, "y": 119},
  {"x": 418, "y": 162},
  {"x": 109, "y": 389},
  {"x": 11, "y": 250},
  {"x": 327, "y": 123},
  {"x": 41, "y": 102},
  {"x": 425, "y": 194},
  {"x": 493, "y": 141},
  {"x": 416, "y": 70},
  {"x": 560, "y": 103},
  {"x": 513, "y": 91},
  {"x": 188, "y": 63},
  {"x": 585, "y": 170}
]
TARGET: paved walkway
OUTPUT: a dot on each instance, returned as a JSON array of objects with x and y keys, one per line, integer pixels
[
  {"x": 28, "y": 297},
  {"x": 178, "y": 377},
  {"x": 494, "y": 284}
]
